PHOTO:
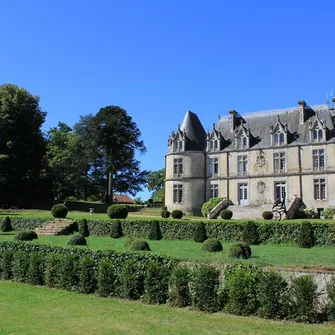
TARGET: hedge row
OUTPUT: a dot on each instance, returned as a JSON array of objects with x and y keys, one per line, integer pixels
[{"x": 244, "y": 290}]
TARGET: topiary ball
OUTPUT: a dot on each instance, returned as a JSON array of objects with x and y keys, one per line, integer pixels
[
  {"x": 267, "y": 215},
  {"x": 177, "y": 214},
  {"x": 28, "y": 235},
  {"x": 240, "y": 250},
  {"x": 77, "y": 239},
  {"x": 6, "y": 224},
  {"x": 165, "y": 214},
  {"x": 212, "y": 245},
  {"x": 140, "y": 245},
  {"x": 59, "y": 211},
  {"x": 226, "y": 214},
  {"x": 117, "y": 211}
]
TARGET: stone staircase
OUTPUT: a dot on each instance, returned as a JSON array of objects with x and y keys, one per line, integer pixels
[
  {"x": 55, "y": 227},
  {"x": 249, "y": 211}
]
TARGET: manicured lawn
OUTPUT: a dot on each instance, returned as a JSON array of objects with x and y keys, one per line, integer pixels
[
  {"x": 36, "y": 310},
  {"x": 265, "y": 254}
]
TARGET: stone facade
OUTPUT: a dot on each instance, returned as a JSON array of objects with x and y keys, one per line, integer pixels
[{"x": 253, "y": 159}]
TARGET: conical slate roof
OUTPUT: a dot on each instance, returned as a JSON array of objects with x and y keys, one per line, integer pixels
[{"x": 195, "y": 132}]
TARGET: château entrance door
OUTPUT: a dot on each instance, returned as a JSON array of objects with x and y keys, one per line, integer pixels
[
  {"x": 243, "y": 194},
  {"x": 280, "y": 190}
]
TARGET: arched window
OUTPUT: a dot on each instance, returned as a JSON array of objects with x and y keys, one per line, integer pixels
[
  {"x": 318, "y": 135},
  {"x": 278, "y": 139}
]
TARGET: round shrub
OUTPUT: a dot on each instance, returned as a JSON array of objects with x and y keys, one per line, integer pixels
[
  {"x": 6, "y": 224},
  {"x": 306, "y": 236},
  {"x": 140, "y": 245},
  {"x": 212, "y": 245},
  {"x": 59, "y": 211},
  {"x": 117, "y": 211},
  {"x": 240, "y": 250},
  {"x": 77, "y": 239},
  {"x": 226, "y": 214},
  {"x": 165, "y": 214},
  {"x": 177, "y": 214},
  {"x": 28, "y": 235},
  {"x": 267, "y": 215}
]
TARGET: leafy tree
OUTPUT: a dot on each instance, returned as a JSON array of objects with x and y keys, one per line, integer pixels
[
  {"x": 156, "y": 184},
  {"x": 22, "y": 145}
]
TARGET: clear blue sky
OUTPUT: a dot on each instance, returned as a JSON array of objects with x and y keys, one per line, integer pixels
[{"x": 158, "y": 58}]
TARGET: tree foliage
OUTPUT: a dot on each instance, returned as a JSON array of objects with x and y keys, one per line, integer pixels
[{"x": 155, "y": 184}]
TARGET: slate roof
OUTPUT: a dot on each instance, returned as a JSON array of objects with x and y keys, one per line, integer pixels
[{"x": 259, "y": 125}]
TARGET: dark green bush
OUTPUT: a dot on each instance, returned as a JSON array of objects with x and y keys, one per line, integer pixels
[
  {"x": 209, "y": 205},
  {"x": 226, "y": 214},
  {"x": 271, "y": 293},
  {"x": 6, "y": 264},
  {"x": 165, "y": 214},
  {"x": 200, "y": 233},
  {"x": 116, "y": 229},
  {"x": 179, "y": 291},
  {"x": 139, "y": 245},
  {"x": 6, "y": 224},
  {"x": 20, "y": 266},
  {"x": 330, "y": 307},
  {"x": 303, "y": 299},
  {"x": 59, "y": 211},
  {"x": 87, "y": 275},
  {"x": 51, "y": 269},
  {"x": 68, "y": 272},
  {"x": 77, "y": 239},
  {"x": 28, "y": 235},
  {"x": 204, "y": 284},
  {"x": 107, "y": 278},
  {"x": 155, "y": 232},
  {"x": 73, "y": 227},
  {"x": 156, "y": 283},
  {"x": 250, "y": 233},
  {"x": 212, "y": 245},
  {"x": 306, "y": 236},
  {"x": 177, "y": 214},
  {"x": 240, "y": 250},
  {"x": 35, "y": 274},
  {"x": 83, "y": 228},
  {"x": 128, "y": 242},
  {"x": 300, "y": 214},
  {"x": 132, "y": 279},
  {"x": 267, "y": 215},
  {"x": 117, "y": 211},
  {"x": 329, "y": 213}
]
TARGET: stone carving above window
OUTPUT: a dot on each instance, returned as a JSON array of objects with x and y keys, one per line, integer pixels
[
  {"x": 261, "y": 187},
  {"x": 260, "y": 160}
]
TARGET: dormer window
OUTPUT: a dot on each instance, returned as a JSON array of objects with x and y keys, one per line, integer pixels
[
  {"x": 242, "y": 142},
  {"x": 213, "y": 140},
  {"x": 317, "y": 130},
  {"x": 318, "y": 135},
  {"x": 178, "y": 146},
  {"x": 279, "y": 133},
  {"x": 279, "y": 139}
]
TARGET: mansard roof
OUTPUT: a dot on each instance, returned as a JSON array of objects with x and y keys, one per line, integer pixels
[
  {"x": 195, "y": 133},
  {"x": 259, "y": 125}
]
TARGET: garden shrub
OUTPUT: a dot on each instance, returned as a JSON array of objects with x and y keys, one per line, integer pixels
[
  {"x": 87, "y": 275},
  {"x": 116, "y": 229},
  {"x": 200, "y": 233},
  {"x": 250, "y": 233},
  {"x": 226, "y": 214},
  {"x": 271, "y": 293},
  {"x": 303, "y": 299},
  {"x": 330, "y": 307},
  {"x": 59, "y": 211},
  {"x": 299, "y": 213},
  {"x": 139, "y": 245},
  {"x": 204, "y": 285},
  {"x": 132, "y": 279},
  {"x": 6, "y": 224},
  {"x": 77, "y": 239},
  {"x": 209, "y": 205},
  {"x": 155, "y": 232},
  {"x": 117, "y": 211},
  {"x": 73, "y": 227},
  {"x": 28, "y": 235},
  {"x": 52, "y": 277},
  {"x": 179, "y": 292},
  {"x": 212, "y": 245},
  {"x": 267, "y": 215},
  {"x": 20, "y": 266},
  {"x": 128, "y": 242},
  {"x": 329, "y": 213},
  {"x": 156, "y": 283},
  {"x": 306, "y": 235},
  {"x": 177, "y": 214},
  {"x": 83, "y": 228},
  {"x": 241, "y": 283},
  {"x": 35, "y": 274},
  {"x": 240, "y": 250},
  {"x": 107, "y": 278},
  {"x": 68, "y": 272},
  {"x": 165, "y": 214},
  {"x": 6, "y": 264}
]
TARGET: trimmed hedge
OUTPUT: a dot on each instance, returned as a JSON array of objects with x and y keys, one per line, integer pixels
[{"x": 6, "y": 225}]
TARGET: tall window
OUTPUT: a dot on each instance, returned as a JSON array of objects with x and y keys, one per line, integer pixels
[
  {"x": 279, "y": 162},
  {"x": 178, "y": 146},
  {"x": 178, "y": 193},
  {"x": 213, "y": 167},
  {"x": 214, "y": 191},
  {"x": 214, "y": 145},
  {"x": 318, "y": 159},
  {"x": 317, "y": 135},
  {"x": 178, "y": 167},
  {"x": 279, "y": 139},
  {"x": 320, "y": 189},
  {"x": 242, "y": 142},
  {"x": 242, "y": 165}
]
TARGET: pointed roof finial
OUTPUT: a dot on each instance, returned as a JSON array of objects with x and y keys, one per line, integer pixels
[{"x": 219, "y": 117}]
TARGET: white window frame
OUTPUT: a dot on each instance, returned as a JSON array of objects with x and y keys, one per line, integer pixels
[
  {"x": 318, "y": 135},
  {"x": 213, "y": 168},
  {"x": 213, "y": 191},
  {"x": 279, "y": 139},
  {"x": 242, "y": 165},
  {"x": 178, "y": 167},
  {"x": 178, "y": 193},
  {"x": 320, "y": 188},
  {"x": 279, "y": 159},
  {"x": 319, "y": 159}
]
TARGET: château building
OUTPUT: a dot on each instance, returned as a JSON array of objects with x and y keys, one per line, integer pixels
[{"x": 253, "y": 159}]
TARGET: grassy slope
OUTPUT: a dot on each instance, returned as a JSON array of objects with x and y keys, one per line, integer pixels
[
  {"x": 29, "y": 310},
  {"x": 265, "y": 254}
]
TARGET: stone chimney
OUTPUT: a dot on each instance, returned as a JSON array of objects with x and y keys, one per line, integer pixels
[
  {"x": 303, "y": 113},
  {"x": 233, "y": 117},
  {"x": 333, "y": 100}
]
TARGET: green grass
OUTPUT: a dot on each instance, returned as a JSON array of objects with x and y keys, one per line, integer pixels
[
  {"x": 264, "y": 254},
  {"x": 36, "y": 310}
]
